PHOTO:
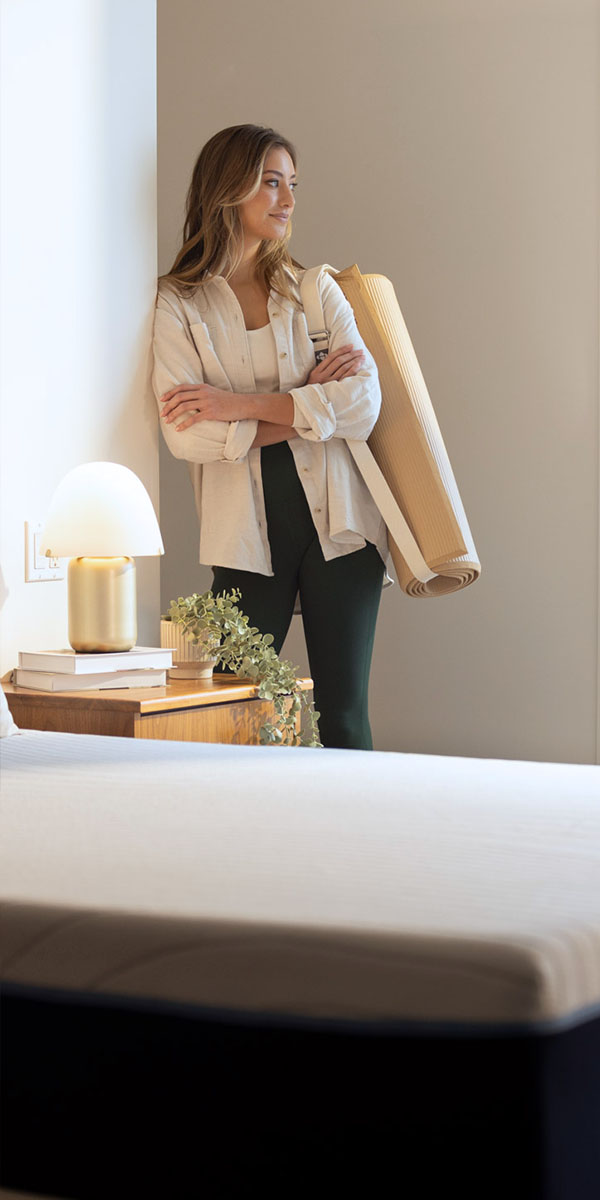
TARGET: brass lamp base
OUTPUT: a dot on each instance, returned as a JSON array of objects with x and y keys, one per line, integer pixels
[{"x": 102, "y": 604}]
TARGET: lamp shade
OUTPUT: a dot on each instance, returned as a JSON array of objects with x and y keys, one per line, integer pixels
[{"x": 101, "y": 509}]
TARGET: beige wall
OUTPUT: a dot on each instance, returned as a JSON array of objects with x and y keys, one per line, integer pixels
[
  {"x": 78, "y": 228},
  {"x": 452, "y": 145}
]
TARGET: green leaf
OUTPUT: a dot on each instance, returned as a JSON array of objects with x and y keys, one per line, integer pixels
[{"x": 220, "y": 624}]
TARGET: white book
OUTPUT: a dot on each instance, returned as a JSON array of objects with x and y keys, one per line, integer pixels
[
  {"x": 50, "y": 681},
  {"x": 69, "y": 662}
]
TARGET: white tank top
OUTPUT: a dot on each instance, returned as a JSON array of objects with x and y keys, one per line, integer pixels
[{"x": 263, "y": 353}]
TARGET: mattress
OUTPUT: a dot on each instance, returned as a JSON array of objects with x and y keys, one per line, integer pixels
[{"x": 328, "y": 884}]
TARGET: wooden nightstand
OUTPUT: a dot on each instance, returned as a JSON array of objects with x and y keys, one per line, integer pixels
[{"x": 221, "y": 709}]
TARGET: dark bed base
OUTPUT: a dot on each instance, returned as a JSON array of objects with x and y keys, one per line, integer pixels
[{"x": 108, "y": 1102}]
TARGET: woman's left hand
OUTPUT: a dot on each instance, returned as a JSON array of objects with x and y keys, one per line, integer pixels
[{"x": 203, "y": 403}]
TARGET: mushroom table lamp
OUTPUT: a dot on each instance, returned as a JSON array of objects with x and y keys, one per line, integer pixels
[{"x": 100, "y": 517}]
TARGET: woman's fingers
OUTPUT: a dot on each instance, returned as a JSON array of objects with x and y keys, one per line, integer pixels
[
  {"x": 347, "y": 360},
  {"x": 341, "y": 364},
  {"x": 190, "y": 404},
  {"x": 178, "y": 395},
  {"x": 342, "y": 355},
  {"x": 189, "y": 421},
  {"x": 181, "y": 387},
  {"x": 333, "y": 354},
  {"x": 338, "y": 364},
  {"x": 185, "y": 398}
]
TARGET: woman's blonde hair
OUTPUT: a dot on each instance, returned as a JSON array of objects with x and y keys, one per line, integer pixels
[{"x": 228, "y": 170}]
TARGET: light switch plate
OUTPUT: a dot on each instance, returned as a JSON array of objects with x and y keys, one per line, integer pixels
[{"x": 38, "y": 568}]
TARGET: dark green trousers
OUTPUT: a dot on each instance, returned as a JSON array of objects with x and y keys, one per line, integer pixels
[{"x": 339, "y": 599}]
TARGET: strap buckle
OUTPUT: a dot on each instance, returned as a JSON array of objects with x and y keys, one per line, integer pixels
[{"x": 320, "y": 337}]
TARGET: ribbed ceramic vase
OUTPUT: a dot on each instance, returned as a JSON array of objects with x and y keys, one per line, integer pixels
[{"x": 191, "y": 660}]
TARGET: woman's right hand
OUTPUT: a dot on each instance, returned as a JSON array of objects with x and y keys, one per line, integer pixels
[{"x": 338, "y": 364}]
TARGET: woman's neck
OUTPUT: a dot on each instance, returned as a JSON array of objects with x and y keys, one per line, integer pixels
[
  {"x": 243, "y": 279},
  {"x": 245, "y": 274},
  {"x": 252, "y": 296}
]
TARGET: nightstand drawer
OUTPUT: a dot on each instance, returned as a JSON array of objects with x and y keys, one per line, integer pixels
[
  {"x": 234, "y": 723},
  {"x": 222, "y": 709}
]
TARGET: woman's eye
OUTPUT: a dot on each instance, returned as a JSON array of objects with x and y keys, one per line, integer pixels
[{"x": 270, "y": 182}]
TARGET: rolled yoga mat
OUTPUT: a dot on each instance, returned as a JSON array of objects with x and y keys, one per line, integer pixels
[{"x": 408, "y": 468}]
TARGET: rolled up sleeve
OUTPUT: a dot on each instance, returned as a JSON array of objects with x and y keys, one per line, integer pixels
[
  {"x": 240, "y": 436},
  {"x": 314, "y": 416},
  {"x": 176, "y": 361},
  {"x": 347, "y": 408}
]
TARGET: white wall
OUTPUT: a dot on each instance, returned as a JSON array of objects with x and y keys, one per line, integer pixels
[
  {"x": 452, "y": 145},
  {"x": 78, "y": 229}
]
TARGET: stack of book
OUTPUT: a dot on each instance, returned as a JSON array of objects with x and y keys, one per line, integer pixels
[{"x": 68, "y": 671}]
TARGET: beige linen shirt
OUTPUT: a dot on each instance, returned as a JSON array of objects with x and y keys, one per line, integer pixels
[{"x": 202, "y": 338}]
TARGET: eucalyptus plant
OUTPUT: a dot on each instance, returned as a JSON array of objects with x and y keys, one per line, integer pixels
[{"x": 220, "y": 624}]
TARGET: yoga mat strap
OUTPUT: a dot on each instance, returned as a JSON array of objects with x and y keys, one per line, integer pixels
[{"x": 363, "y": 456}]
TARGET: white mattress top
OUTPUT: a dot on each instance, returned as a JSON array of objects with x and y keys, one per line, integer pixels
[{"x": 321, "y": 883}]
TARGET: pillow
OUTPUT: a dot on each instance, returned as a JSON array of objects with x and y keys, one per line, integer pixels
[{"x": 7, "y": 725}]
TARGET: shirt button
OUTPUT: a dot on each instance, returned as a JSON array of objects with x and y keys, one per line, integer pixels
[
  {"x": 283, "y": 354},
  {"x": 317, "y": 510},
  {"x": 305, "y": 469}
]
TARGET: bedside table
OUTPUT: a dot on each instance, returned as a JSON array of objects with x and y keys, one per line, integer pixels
[{"x": 221, "y": 709}]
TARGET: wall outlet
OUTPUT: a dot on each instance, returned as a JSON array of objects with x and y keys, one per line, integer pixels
[{"x": 38, "y": 568}]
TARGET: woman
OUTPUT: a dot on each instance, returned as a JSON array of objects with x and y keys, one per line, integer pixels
[{"x": 283, "y": 510}]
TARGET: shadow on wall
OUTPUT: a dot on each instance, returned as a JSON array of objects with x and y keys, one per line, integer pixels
[
  {"x": 181, "y": 572},
  {"x": 136, "y": 427}
]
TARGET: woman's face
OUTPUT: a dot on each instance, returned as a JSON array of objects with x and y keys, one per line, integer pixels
[{"x": 266, "y": 215}]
